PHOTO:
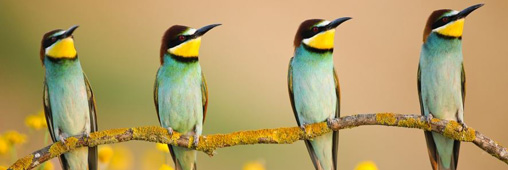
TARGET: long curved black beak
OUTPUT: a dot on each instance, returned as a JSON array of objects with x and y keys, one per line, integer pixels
[
  {"x": 468, "y": 10},
  {"x": 337, "y": 22},
  {"x": 205, "y": 29},
  {"x": 69, "y": 31}
]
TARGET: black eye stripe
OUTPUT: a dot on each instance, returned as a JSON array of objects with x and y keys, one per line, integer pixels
[
  {"x": 51, "y": 40},
  {"x": 310, "y": 32},
  {"x": 441, "y": 21},
  {"x": 176, "y": 41}
]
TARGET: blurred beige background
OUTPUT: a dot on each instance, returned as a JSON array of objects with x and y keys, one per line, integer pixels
[{"x": 245, "y": 61}]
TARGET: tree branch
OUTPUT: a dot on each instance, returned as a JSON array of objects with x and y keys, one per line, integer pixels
[{"x": 210, "y": 143}]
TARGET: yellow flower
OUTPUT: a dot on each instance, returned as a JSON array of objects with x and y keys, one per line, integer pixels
[
  {"x": 162, "y": 147},
  {"x": 14, "y": 137},
  {"x": 105, "y": 154},
  {"x": 3, "y": 168},
  {"x": 36, "y": 121},
  {"x": 366, "y": 165},
  {"x": 165, "y": 167},
  {"x": 48, "y": 166},
  {"x": 254, "y": 165},
  {"x": 152, "y": 159},
  {"x": 4, "y": 146},
  {"x": 122, "y": 158}
]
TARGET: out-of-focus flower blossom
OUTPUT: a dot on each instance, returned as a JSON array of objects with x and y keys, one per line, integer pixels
[
  {"x": 36, "y": 121},
  {"x": 153, "y": 158},
  {"x": 166, "y": 167},
  {"x": 162, "y": 147},
  {"x": 254, "y": 165},
  {"x": 105, "y": 154},
  {"x": 3, "y": 168},
  {"x": 4, "y": 146},
  {"x": 14, "y": 137},
  {"x": 47, "y": 166},
  {"x": 122, "y": 158},
  {"x": 366, "y": 165}
]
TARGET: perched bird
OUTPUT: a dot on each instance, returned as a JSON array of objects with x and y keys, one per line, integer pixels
[
  {"x": 69, "y": 103},
  {"x": 442, "y": 81},
  {"x": 180, "y": 93},
  {"x": 314, "y": 86}
]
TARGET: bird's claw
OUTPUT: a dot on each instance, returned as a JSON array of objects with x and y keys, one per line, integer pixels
[
  {"x": 302, "y": 127},
  {"x": 170, "y": 131},
  {"x": 429, "y": 118},
  {"x": 63, "y": 138},
  {"x": 463, "y": 124},
  {"x": 329, "y": 122},
  {"x": 196, "y": 140},
  {"x": 86, "y": 134}
]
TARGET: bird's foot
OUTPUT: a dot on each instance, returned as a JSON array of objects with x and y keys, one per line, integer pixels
[
  {"x": 63, "y": 138},
  {"x": 463, "y": 124},
  {"x": 303, "y": 128},
  {"x": 196, "y": 140},
  {"x": 170, "y": 131},
  {"x": 86, "y": 134},
  {"x": 429, "y": 118},
  {"x": 329, "y": 122}
]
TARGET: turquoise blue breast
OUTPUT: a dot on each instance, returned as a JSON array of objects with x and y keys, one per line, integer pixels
[
  {"x": 180, "y": 98},
  {"x": 313, "y": 86},
  {"x": 68, "y": 96}
]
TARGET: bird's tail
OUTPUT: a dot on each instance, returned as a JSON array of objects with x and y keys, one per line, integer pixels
[
  {"x": 449, "y": 148},
  {"x": 320, "y": 151},
  {"x": 184, "y": 158}
]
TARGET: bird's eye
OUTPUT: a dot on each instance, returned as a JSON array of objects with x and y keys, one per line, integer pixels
[
  {"x": 53, "y": 38},
  {"x": 181, "y": 37},
  {"x": 315, "y": 29},
  {"x": 445, "y": 19}
]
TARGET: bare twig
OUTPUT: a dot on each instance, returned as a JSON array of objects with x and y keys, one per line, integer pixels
[{"x": 210, "y": 143}]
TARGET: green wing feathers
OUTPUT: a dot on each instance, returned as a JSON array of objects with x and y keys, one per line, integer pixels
[{"x": 92, "y": 151}]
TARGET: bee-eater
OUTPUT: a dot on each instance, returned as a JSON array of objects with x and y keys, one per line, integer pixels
[
  {"x": 69, "y": 103},
  {"x": 442, "y": 81},
  {"x": 314, "y": 86},
  {"x": 180, "y": 93}
]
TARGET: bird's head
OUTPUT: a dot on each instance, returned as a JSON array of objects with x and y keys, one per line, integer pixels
[
  {"x": 317, "y": 34},
  {"x": 447, "y": 23},
  {"x": 58, "y": 44},
  {"x": 182, "y": 41}
]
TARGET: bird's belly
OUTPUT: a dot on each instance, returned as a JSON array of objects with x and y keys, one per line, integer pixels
[
  {"x": 69, "y": 106},
  {"x": 180, "y": 106},
  {"x": 442, "y": 93},
  {"x": 314, "y": 96}
]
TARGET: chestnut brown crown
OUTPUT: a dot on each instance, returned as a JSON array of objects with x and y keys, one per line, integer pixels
[
  {"x": 170, "y": 35},
  {"x": 305, "y": 26},
  {"x": 44, "y": 43},
  {"x": 436, "y": 15}
]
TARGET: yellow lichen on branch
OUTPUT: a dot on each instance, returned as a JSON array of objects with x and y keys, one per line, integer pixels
[
  {"x": 210, "y": 143},
  {"x": 268, "y": 136},
  {"x": 467, "y": 134},
  {"x": 386, "y": 118},
  {"x": 23, "y": 163},
  {"x": 414, "y": 123}
]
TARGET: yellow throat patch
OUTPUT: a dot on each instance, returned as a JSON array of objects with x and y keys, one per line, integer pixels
[
  {"x": 62, "y": 49},
  {"x": 187, "y": 49},
  {"x": 454, "y": 29},
  {"x": 322, "y": 40}
]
